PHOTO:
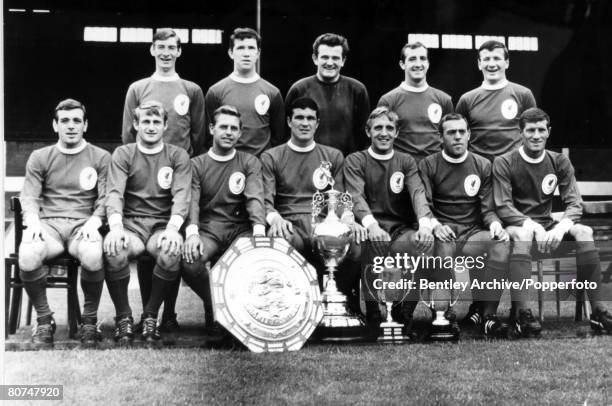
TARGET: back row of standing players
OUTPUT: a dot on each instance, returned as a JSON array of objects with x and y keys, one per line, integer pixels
[{"x": 341, "y": 107}]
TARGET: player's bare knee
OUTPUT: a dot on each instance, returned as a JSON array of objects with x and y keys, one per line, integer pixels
[
  {"x": 500, "y": 251},
  {"x": 169, "y": 261},
  {"x": 32, "y": 255},
  {"x": 117, "y": 262},
  {"x": 90, "y": 255},
  {"x": 580, "y": 232}
]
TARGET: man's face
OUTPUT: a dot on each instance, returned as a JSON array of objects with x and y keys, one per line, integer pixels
[
  {"x": 415, "y": 65},
  {"x": 225, "y": 132},
  {"x": 303, "y": 124},
  {"x": 244, "y": 54},
  {"x": 493, "y": 65},
  {"x": 150, "y": 129},
  {"x": 165, "y": 53},
  {"x": 329, "y": 62},
  {"x": 455, "y": 137},
  {"x": 535, "y": 136},
  {"x": 382, "y": 133},
  {"x": 70, "y": 126}
]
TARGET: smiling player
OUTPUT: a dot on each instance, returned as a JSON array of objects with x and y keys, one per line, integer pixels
[
  {"x": 418, "y": 105},
  {"x": 343, "y": 101}
]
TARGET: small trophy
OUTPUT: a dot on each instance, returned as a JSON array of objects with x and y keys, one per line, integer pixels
[
  {"x": 331, "y": 240},
  {"x": 441, "y": 328},
  {"x": 391, "y": 331}
]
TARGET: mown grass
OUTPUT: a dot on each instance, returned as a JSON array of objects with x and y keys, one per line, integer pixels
[{"x": 553, "y": 372}]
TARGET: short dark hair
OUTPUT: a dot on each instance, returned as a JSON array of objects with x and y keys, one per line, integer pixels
[
  {"x": 70, "y": 104},
  {"x": 303, "y": 103},
  {"x": 382, "y": 111},
  {"x": 244, "y": 33},
  {"x": 227, "y": 110},
  {"x": 451, "y": 117},
  {"x": 162, "y": 34},
  {"x": 412, "y": 45},
  {"x": 492, "y": 45},
  {"x": 533, "y": 115},
  {"x": 151, "y": 108},
  {"x": 331, "y": 40}
]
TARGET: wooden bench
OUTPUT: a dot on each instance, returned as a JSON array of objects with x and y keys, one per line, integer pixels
[{"x": 597, "y": 214}]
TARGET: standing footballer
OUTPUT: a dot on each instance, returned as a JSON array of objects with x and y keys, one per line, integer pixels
[
  {"x": 418, "y": 105},
  {"x": 343, "y": 101},
  {"x": 260, "y": 103}
]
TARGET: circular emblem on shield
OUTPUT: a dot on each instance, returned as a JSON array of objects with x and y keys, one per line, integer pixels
[
  {"x": 164, "y": 177},
  {"x": 320, "y": 179},
  {"x": 236, "y": 182},
  {"x": 471, "y": 184},
  {"x": 266, "y": 294},
  {"x": 397, "y": 182},
  {"x": 262, "y": 104},
  {"x": 88, "y": 178},
  {"x": 549, "y": 183},
  {"x": 181, "y": 104},
  {"x": 434, "y": 111},
  {"x": 509, "y": 109}
]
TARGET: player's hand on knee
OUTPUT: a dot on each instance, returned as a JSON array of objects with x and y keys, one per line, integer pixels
[
  {"x": 170, "y": 241},
  {"x": 424, "y": 238},
  {"x": 553, "y": 239},
  {"x": 375, "y": 233},
  {"x": 116, "y": 240},
  {"x": 359, "y": 232},
  {"x": 541, "y": 237},
  {"x": 280, "y": 228},
  {"x": 443, "y": 233},
  {"x": 193, "y": 249},
  {"x": 89, "y": 231},
  {"x": 33, "y": 232},
  {"x": 498, "y": 232}
]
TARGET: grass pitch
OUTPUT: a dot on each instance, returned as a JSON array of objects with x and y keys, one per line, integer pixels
[
  {"x": 561, "y": 368},
  {"x": 540, "y": 371}
]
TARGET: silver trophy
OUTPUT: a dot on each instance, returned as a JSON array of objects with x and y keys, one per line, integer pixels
[
  {"x": 441, "y": 329},
  {"x": 390, "y": 330},
  {"x": 331, "y": 240}
]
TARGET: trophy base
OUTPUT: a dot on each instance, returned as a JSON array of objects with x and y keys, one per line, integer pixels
[
  {"x": 391, "y": 333},
  {"x": 345, "y": 328},
  {"x": 442, "y": 333}
]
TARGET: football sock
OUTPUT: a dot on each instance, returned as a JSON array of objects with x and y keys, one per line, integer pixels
[
  {"x": 170, "y": 298},
  {"x": 37, "y": 291},
  {"x": 144, "y": 268},
  {"x": 159, "y": 288},
  {"x": 519, "y": 270},
  {"x": 118, "y": 291},
  {"x": 589, "y": 270},
  {"x": 92, "y": 291}
]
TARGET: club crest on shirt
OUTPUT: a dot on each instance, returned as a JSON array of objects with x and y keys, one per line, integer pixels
[
  {"x": 88, "y": 178},
  {"x": 509, "y": 109},
  {"x": 262, "y": 104},
  {"x": 237, "y": 182},
  {"x": 164, "y": 177},
  {"x": 549, "y": 183},
  {"x": 434, "y": 111},
  {"x": 181, "y": 104},
  {"x": 320, "y": 179},
  {"x": 396, "y": 182},
  {"x": 471, "y": 184}
]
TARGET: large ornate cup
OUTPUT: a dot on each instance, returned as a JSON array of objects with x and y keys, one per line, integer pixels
[{"x": 331, "y": 240}]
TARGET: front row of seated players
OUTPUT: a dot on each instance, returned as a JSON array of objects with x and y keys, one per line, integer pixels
[{"x": 149, "y": 191}]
